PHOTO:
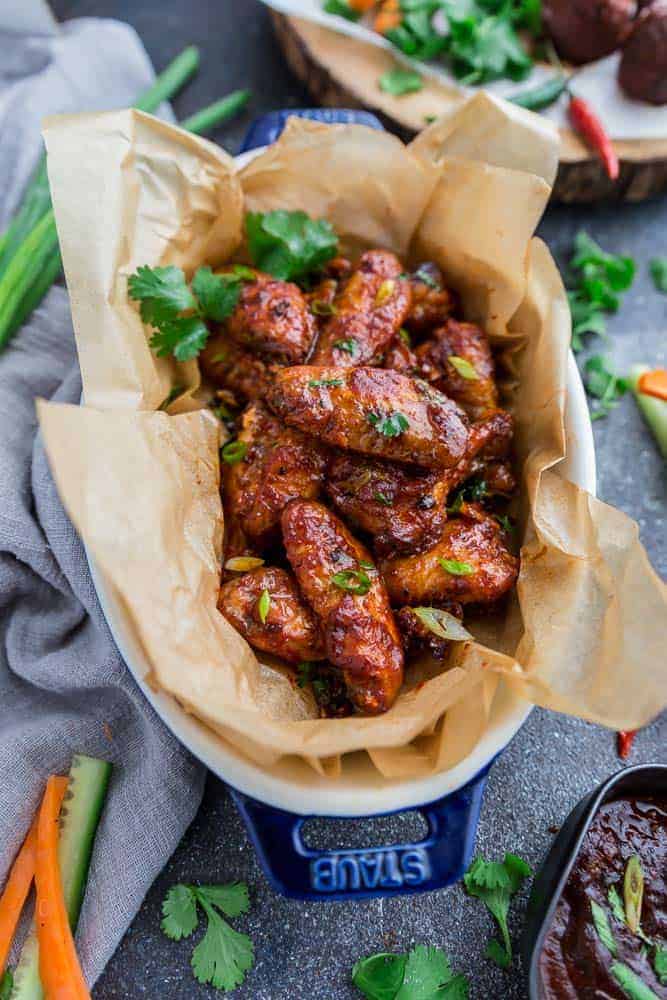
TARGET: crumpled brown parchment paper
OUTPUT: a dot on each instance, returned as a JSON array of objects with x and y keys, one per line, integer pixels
[{"x": 586, "y": 631}]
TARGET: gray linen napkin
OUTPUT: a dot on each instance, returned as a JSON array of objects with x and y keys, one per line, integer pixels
[{"x": 63, "y": 685}]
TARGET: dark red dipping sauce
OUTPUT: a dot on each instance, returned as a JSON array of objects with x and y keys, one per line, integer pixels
[{"x": 573, "y": 962}]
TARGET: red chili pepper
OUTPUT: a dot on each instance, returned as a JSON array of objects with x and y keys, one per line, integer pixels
[
  {"x": 625, "y": 739},
  {"x": 587, "y": 123}
]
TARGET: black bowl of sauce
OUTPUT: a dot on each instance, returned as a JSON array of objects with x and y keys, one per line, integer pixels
[{"x": 583, "y": 938}]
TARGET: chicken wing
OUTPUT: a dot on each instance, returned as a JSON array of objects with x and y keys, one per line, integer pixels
[
  {"x": 369, "y": 311},
  {"x": 338, "y": 580},
  {"x": 229, "y": 366},
  {"x": 273, "y": 319},
  {"x": 279, "y": 465},
  {"x": 403, "y": 508},
  {"x": 432, "y": 303},
  {"x": 457, "y": 359},
  {"x": 372, "y": 411},
  {"x": 469, "y": 563},
  {"x": 290, "y": 629}
]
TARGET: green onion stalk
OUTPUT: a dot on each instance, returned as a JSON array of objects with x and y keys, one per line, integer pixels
[{"x": 30, "y": 258}]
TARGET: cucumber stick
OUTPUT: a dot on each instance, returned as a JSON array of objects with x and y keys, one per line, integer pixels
[
  {"x": 79, "y": 817},
  {"x": 653, "y": 410}
]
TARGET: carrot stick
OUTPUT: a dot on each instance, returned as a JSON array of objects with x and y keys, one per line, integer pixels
[
  {"x": 16, "y": 891},
  {"x": 388, "y": 17},
  {"x": 654, "y": 383},
  {"x": 59, "y": 967},
  {"x": 362, "y": 5}
]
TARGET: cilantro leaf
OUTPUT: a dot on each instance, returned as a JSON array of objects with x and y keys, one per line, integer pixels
[
  {"x": 232, "y": 899},
  {"x": 162, "y": 291},
  {"x": 184, "y": 338},
  {"x": 400, "y": 81},
  {"x": 288, "y": 244},
  {"x": 603, "y": 928},
  {"x": 659, "y": 273},
  {"x": 391, "y": 425},
  {"x": 223, "y": 956},
  {"x": 179, "y": 912},
  {"x": 604, "y": 385},
  {"x": 6, "y": 985},
  {"x": 164, "y": 296},
  {"x": 379, "y": 977},
  {"x": 660, "y": 964},
  {"x": 484, "y": 46},
  {"x": 423, "y": 974},
  {"x": 600, "y": 277},
  {"x": 426, "y": 971},
  {"x": 218, "y": 294},
  {"x": 495, "y": 884},
  {"x": 595, "y": 263}
]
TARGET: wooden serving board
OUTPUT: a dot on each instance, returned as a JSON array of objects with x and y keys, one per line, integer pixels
[{"x": 340, "y": 71}]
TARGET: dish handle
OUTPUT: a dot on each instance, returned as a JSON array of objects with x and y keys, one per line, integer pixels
[
  {"x": 266, "y": 128},
  {"x": 301, "y": 872}
]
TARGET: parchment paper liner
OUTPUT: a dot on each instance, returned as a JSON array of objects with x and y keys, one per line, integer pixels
[{"x": 585, "y": 633}]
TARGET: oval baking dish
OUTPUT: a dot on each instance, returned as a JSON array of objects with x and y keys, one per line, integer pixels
[{"x": 275, "y": 806}]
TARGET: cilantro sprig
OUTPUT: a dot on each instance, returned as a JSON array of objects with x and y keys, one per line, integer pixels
[
  {"x": 388, "y": 424},
  {"x": 178, "y": 311},
  {"x": 601, "y": 278},
  {"x": 604, "y": 385},
  {"x": 495, "y": 882},
  {"x": 289, "y": 245},
  {"x": 223, "y": 956},
  {"x": 423, "y": 974}
]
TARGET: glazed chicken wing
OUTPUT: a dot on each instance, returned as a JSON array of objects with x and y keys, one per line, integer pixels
[
  {"x": 403, "y": 508},
  {"x": 339, "y": 582},
  {"x": 369, "y": 311},
  {"x": 372, "y": 411},
  {"x": 279, "y": 465},
  {"x": 470, "y": 563},
  {"x": 290, "y": 630},
  {"x": 432, "y": 303},
  {"x": 272, "y": 318},
  {"x": 229, "y": 366},
  {"x": 472, "y": 383}
]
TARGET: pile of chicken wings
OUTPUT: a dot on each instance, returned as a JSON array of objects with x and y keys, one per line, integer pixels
[{"x": 369, "y": 403}]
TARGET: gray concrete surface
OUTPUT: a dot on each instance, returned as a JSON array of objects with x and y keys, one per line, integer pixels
[{"x": 307, "y": 950}]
